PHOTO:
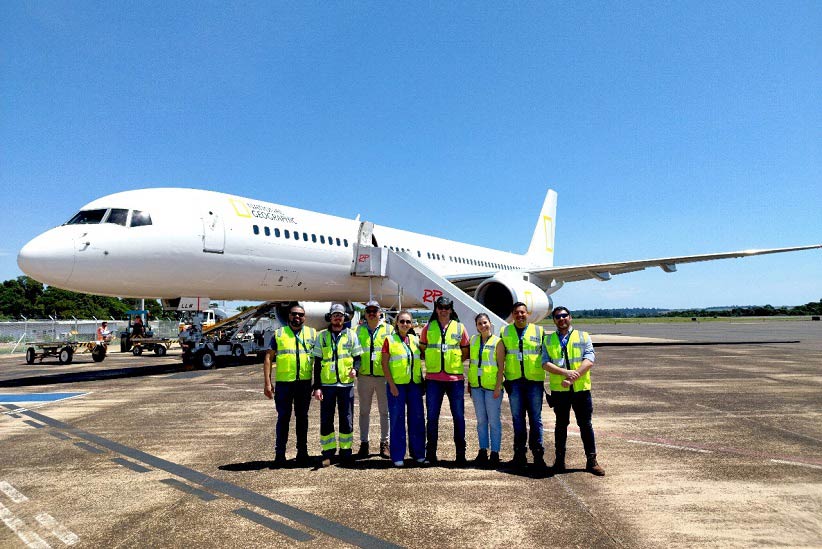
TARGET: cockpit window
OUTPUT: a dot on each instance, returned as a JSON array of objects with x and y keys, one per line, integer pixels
[
  {"x": 87, "y": 217},
  {"x": 138, "y": 218},
  {"x": 117, "y": 216}
]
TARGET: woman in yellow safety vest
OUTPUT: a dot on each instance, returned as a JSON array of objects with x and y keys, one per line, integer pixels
[
  {"x": 485, "y": 371},
  {"x": 403, "y": 375}
]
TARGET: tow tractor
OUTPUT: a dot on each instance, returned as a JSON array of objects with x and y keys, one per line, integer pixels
[
  {"x": 65, "y": 350},
  {"x": 138, "y": 337},
  {"x": 240, "y": 336}
]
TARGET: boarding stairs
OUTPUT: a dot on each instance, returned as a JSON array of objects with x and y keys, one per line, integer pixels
[{"x": 418, "y": 282}]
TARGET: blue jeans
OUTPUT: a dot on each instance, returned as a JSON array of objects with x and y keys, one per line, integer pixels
[
  {"x": 526, "y": 397},
  {"x": 410, "y": 399},
  {"x": 583, "y": 407},
  {"x": 434, "y": 392},
  {"x": 487, "y": 409},
  {"x": 341, "y": 399},
  {"x": 288, "y": 395}
]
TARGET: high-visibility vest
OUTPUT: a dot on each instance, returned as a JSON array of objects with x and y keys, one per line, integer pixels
[
  {"x": 287, "y": 342},
  {"x": 577, "y": 341},
  {"x": 404, "y": 360},
  {"x": 482, "y": 365},
  {"x": 444, "y": 354},
  {"x": 371, "y": 344},
  {"x": 523, "y": 357},
  {"x": 337, "y": 359}
]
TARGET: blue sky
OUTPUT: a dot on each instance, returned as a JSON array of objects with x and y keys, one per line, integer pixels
[{"x": 666, "y": 128}]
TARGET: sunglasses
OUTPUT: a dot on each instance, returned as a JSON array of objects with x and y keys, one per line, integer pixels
[
  {"x": 561, "y": 315},
  {"x": 372, "y": 311},
  {"x": 297, "y": 314},
  {"x": 405, "y": 322}
]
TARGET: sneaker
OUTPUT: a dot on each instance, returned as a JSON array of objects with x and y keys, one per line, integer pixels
[
  {"x": 482, "y": 457},
  {"x": 363, "y": 451},
  {"x": 399, "y": 463},
  {"x": 493, "y": 461},
  {"x": 384, "y": 448},
  {"x": 593, "y": 467}
]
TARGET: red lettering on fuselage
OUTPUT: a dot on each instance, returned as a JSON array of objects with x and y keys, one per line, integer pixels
[{"x": 429, "y": 296}]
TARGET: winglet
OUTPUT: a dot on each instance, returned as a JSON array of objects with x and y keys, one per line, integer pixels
[{"x": 541, "y": 249}]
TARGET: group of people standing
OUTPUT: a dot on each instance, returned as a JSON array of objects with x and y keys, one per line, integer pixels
[{"x": 387, "y": 361}]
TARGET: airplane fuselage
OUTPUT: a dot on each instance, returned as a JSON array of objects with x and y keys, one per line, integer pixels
[{"x": 228, "y": 247}]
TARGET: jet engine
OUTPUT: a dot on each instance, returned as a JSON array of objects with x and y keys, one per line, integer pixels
[{"x": 501, "y": 291}]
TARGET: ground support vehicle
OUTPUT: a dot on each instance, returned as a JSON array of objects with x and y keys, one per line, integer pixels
[
  {"x": 239, "y": 337},
  {"x": 65, "y": 350},
  {"x": 159, "y": 345}
]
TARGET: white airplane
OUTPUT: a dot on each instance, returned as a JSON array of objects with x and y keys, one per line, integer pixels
[{"x": 173, "y": 242}]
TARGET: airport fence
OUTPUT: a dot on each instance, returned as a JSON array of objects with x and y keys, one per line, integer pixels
[{"x": 16, "y": 336}]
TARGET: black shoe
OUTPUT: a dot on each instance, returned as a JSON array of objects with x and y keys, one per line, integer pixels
[
  {"x": 493, "y": 461},
  {"x": 482, "y": 458},
  {"x": 280, "y": 460},
  {"x": 303, "y": 458},
  {"x": 593, "y": 467},
  {"x": 559, "y": 464},
  {"x": 539, "y": 461},
  {"x": 363, "y": 451},
  {"x": 461, "y": 461},
  {"x": 519, "y": 460},
  {"x": 431, "y": 459},
  {"x": 384, "y": 450}
]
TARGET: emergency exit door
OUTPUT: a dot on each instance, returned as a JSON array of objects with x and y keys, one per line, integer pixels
[{"x": 213, "y": 233}]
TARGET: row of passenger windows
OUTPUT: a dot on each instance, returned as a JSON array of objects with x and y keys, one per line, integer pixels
[
  {"x": 116, "y": 216},
  {"x": 457, "y": 259},
  {"x": 296, "y": 235},
  {"x": 331, "y": 241}
]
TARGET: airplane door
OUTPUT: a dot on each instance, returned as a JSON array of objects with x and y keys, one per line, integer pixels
[
  {"x": 213, "y": 233},
  {"x": 280, "y": 277}
]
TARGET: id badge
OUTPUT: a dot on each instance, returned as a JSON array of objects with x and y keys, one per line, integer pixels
[
  {"x": 479, "y": 372},
  {"x": 375, "y": 356},
  {"x": 519, "y": 356},
  {"x": 444, "y": 347},
  {"x": 333, "y": 368}
]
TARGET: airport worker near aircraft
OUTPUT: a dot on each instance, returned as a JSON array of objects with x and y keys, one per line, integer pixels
[
  {"x": 291, "y": 349},
  {"x": 568, "y": 356},
  {"x": 336, "y": 362},
  {"x": 103, "y": 333},
  {"x": 444, "y": 341},
  {"x": 524, "y": 382},
  {"x": 486, "y": 364},
  {"x": 403, "y": 373},
  {"x": 371, "y": 379}
]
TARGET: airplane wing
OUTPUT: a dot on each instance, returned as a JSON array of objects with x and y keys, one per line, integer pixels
[{"x": 604, "y": 271}]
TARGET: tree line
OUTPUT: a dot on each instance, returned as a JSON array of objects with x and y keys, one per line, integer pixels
[
  {"x": 808, "y": 309},
  {"x": 25, "y": 297}
]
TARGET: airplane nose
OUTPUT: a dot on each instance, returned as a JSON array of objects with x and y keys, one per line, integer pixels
[{"x": 48, "y": 258}]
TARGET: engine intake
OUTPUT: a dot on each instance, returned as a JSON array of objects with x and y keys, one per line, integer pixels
[{"x": 501, "y": 291}]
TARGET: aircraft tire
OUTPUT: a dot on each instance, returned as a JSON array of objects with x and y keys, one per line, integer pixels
[{"x": 30, "y": 355}]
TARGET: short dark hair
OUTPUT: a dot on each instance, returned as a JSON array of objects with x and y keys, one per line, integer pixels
[
  {"x": 297, "y": 305},
  {"x": 518, "y": 304},
  {"x": 560, "y": 308}
]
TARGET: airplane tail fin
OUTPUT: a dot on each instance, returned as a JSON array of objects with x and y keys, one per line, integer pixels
[{"x": 541, "y": 250}]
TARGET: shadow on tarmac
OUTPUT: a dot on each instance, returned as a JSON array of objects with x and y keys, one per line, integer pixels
[{"x": 96, "y": 375}]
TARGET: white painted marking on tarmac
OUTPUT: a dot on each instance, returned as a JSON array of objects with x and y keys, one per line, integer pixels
[
  {"x": 61, "y": 532},
  {"x": 672, "y": 446},
  {"x": 12, "y": 492},
  {"x": 31, "y": 539},
  {"x": 799, "y": 463}
]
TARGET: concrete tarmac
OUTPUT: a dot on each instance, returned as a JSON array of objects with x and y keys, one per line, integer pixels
[{"x": 704, "y": 445}]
